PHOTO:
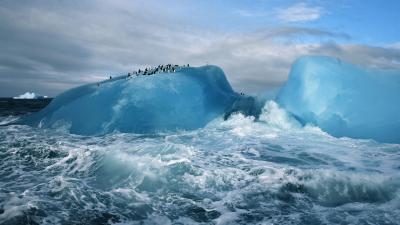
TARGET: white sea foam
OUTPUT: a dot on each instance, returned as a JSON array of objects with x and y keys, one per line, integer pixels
[
  {"x": 242, "y": 170},
  {"x": 7, "y": 119}
]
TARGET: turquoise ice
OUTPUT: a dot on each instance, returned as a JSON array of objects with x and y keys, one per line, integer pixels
[
  {"x": 187, "y": 99},
  {"x": 344, "y": 99}
]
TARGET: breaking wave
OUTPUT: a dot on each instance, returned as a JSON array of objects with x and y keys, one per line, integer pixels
[{"x": 243, "y": 170}]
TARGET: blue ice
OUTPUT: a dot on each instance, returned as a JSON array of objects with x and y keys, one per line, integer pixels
[
  {"x": 187, "y": 99},
  {"x": 344, "y": 99}
]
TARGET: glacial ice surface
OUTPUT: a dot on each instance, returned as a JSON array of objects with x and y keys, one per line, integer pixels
[
  {"x": 344, "y": 99},
  {"x": 187, "y": 99}
]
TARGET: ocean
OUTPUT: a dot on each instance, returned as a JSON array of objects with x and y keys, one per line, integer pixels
[
  {"x": 234, "y": 171},
  {"x": 15, "y": 107}
]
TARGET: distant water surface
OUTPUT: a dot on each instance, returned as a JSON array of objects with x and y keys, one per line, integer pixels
[{"x": 12, "y": 107}]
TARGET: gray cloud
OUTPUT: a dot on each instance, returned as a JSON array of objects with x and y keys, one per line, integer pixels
[
  {"x": 299, "y": 12},
  {"x": 49, "y": 46},
  {"x": 378, "y": 57}
]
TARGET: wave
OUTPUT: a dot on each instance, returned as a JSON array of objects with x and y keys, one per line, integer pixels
[
  {"x": 240, "y": 170},
  {"x": 4, "y": 120}
]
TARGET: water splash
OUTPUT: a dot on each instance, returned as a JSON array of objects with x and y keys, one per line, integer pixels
[{"x": 242, "y": 170}]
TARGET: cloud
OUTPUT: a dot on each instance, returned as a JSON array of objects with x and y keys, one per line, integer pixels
[
  {"x": 395, "y": 45},
  {"x": 257, "y": 61},
  {"x": 47, "y": 47},
  {"x": 250, "y": 13},
  {"x": 368, "y": 56},
  {"x": 300, "y": 12},
  {"x": 293, "y": 32}
]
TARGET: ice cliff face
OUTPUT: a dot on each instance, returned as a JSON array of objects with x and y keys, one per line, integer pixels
[
  {"x": 343, "y": 99},
  {"x": 187, "y": 99}
]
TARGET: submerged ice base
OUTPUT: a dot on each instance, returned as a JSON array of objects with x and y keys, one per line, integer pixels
[
  {"x": 187, "y": 99},
  {"x": 343, "y": 99}
]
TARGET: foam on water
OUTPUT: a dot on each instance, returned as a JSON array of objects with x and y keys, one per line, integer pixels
[
  {"x": 244, "y": 170},
  {"x": 4, "y": 120}
]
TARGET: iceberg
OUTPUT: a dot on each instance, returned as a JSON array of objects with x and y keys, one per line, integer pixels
[
  {"x": 183, "y": 100},
  {"x": 29, "y": 95},
  {"x": 344, "y": 99}
]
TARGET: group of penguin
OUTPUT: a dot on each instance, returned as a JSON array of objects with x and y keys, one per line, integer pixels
[{"x": 169, "y": 68}]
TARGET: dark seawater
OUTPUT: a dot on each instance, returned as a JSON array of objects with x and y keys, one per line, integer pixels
[
  {"x": 13, "y": 107},
  {"x": 237, "y": 171}
]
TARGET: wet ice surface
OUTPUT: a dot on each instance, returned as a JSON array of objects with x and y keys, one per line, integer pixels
[
  {"x": 231, "y": 172},
  {"x": 344, "y": 100}
]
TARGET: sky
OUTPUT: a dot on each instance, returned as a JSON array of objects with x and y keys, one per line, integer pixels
[{"x": 50, "y": 46}]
